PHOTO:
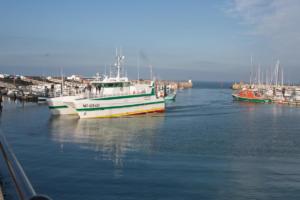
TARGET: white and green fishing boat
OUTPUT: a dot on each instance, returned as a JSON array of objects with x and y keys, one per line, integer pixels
[
  {"x": 63, "y": 105},
  {"x": 118, "y": 97}
]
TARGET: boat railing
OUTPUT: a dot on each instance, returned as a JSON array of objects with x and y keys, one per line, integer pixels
[
  {"x": 21, "y": 183},
  {"x": 66, "y": 93},
  {"x": 92, "y": 94},
  {"x": 101, "y": 95}
]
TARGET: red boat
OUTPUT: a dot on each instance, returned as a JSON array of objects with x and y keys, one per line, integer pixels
[{"x": 250, "y": 96}]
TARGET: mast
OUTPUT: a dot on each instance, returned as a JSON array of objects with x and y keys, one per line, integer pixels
[
  {"x": 62, "y": 81},
  {"x": 138, "y": 67},
  {"x": 251, "y": 60},
  {"x": 277, "y": 73},
  {"x": 281, "y": 76},
  {"x": 278, "y": 66},
  {"x": 119, "y": 58},
  {"x": 258, "y": 75},
  {"x": 15, "y": 79},
  {"x": 267, "y": 77},
  {"x": 110, "y": 74},
  {"x": 250, "y": 77},
  {"x": 151, "y": 72},
  {"x": 118, "y": 64}
]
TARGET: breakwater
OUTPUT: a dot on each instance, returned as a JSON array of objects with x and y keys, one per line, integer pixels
[
  {"x": 174, "y": 85},
  {"x": 30, "y": 88}
]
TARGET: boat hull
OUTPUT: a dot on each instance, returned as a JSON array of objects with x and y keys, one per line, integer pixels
[
  {"x": 252, "y": 100},
  {"x": 170, "y": 97},
  {"x": 119, "y": 107},
  {"x": 62, "y": 105}
]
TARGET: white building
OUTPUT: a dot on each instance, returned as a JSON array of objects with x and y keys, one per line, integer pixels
[
  {"x": 4, "y": 75},
  {"x": 74, "y": 78}
]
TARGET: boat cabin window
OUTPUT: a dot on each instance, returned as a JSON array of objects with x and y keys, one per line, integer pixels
[{"x": 110, "y": 85}]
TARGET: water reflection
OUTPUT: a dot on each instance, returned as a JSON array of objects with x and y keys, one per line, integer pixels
[
  {"x": 110, "y": 138},
  {"x": 13, "y": 102}
]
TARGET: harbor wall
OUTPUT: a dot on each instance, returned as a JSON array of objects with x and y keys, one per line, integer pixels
[{"x": 28, "y": 87}]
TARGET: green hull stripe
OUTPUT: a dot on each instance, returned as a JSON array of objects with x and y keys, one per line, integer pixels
[
  {"x": 116, "y": 107},
  {"x": 252, "y": 100},
  {"x": 126, "y": 96},
  {"x": 57, "y": 107}
]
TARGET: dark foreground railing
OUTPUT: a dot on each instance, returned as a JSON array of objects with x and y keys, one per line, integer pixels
[{"x": 21, "y": 182}]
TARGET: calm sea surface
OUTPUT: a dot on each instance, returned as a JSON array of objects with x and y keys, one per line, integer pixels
[{"x": 204, "y": 147}]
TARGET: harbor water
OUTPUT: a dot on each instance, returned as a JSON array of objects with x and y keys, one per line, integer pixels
[{"x": 205, "y": 146}]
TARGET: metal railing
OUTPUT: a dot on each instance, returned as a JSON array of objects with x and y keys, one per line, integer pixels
[{"x": 22, "y": 184}]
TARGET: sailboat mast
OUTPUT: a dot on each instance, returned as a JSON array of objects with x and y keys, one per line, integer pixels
[
  {"x": 251, "y": 60},
  {"x": 138, "y": 67},
  {"x": 281, "y": 76},
  {"x": 151, "y": 72},
  {"x": 267, "y": 78},
  {"x": 277, "y": 73},
  {"x": 118, "y": 64},
  {"x": 62, "y": 81},
  {"x": 258, "y": 75}
]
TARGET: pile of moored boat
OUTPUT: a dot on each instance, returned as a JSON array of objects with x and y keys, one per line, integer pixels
[{"x": 271, "y": 94}]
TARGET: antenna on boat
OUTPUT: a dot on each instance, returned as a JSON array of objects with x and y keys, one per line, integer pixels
[
  {"x": 110, "y": 70},
  {"x": 138, "y": 67},
  {"x": 119, "y": 58},
  {"x": 151, "y": 72},
  {"x": 123, "y": 71}
]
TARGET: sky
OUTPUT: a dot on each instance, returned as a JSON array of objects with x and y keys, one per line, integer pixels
[{"x": 210, "y": 40}]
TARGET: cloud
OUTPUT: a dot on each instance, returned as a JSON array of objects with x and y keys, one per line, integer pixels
[
  {"x": 268, "y": 17},
  {"x": 276, "y": 21},
  {"x": 249, "y": 11}
]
